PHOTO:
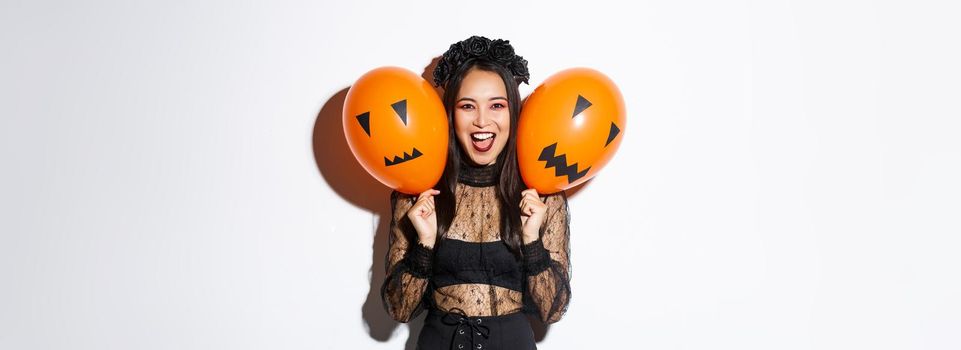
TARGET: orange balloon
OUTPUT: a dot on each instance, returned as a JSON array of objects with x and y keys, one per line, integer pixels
[
  {"x": 396, "y": 127},
  {"x": 569, "y": 128}
]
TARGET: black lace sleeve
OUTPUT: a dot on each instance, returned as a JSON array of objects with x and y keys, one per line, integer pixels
[
  {"x": 408, "y": 264},
  {"x": 547, "y": 262}
]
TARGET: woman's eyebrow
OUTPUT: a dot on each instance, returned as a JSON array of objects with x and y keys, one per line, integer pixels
[{"x": 490, "y": 99}]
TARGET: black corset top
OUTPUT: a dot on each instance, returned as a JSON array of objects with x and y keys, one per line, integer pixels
[{"x": 457, "y": 262}]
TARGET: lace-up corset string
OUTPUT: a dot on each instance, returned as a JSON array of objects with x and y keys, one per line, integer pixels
[{"x": 457, "y": 317}]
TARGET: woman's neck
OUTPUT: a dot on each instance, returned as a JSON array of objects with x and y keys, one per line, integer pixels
[{"x": 477, "y": 175}]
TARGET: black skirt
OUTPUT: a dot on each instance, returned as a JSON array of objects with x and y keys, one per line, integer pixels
[{"x": 454, "y": 330}]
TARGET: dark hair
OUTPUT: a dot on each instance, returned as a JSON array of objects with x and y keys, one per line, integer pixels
[{"x": 509, "y": 185}]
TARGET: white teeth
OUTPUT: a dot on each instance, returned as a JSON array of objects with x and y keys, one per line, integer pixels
[{"x": 482, "y": 135}]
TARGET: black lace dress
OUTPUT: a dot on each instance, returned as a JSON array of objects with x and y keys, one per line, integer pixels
[{"x": 476, "y": 290}]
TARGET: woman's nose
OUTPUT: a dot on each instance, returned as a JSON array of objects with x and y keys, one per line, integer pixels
[{"x": 482, "y": 118}]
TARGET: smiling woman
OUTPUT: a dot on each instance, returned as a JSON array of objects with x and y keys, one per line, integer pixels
[
  {"x": 481, "y": 118},
  {"x": 479, "y": 250}
]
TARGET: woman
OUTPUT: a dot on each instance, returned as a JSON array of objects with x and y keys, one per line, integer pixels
[{"x": 479, "y": 250}]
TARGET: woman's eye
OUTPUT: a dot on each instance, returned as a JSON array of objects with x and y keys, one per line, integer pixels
[
  {"x": 467, "y": 106},
  {"x": 498, "y": 106}
]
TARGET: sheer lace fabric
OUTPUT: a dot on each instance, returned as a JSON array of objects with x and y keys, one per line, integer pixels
[{"x": 471, "y": 269}]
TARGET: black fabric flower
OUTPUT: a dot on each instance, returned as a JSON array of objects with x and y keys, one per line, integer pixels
[
  {"x": 501, "y": 51},
  {"x": 441, "y": 72},
  {"x": 477, "y": 47},
  {"x": 519, "y": 67},
  {"x": 454, "y": 53}
]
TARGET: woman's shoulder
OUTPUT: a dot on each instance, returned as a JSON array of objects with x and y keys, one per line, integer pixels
[
  {"x": 556, "y": 203},
  {"x": 400, "y": 202},
  {"x": 556, "y": 198}
]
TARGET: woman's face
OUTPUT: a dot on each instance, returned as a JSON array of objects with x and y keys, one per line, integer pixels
[{"x": 481, "y": 116}]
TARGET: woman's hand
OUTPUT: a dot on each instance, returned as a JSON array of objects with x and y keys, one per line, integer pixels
[
  {"x": 533, "y": 212},
  {"x": 424, "y": 218}
]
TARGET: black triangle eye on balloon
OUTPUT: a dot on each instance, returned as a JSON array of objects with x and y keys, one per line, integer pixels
[
  {"x": 364, "y": 120},
  {"x": 612, "y": 134},
  {"x": 400, "y": 107},
  {"x": 581, "y": 105}
]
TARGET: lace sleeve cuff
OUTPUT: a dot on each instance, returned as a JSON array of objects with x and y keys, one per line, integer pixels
[
  {"x": 536, "y": 258},
  {"x": 419, "y": 260}
]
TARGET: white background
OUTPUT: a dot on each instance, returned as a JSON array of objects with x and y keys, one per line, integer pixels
[{"x": 174, "y": 175}]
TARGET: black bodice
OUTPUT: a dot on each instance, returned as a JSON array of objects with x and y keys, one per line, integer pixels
[{"x": 458, "y": 261}]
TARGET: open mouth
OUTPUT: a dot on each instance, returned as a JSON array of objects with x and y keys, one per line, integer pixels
[
  {"x": 482, "y": 141},
  {"x": 397, "y": 159}
]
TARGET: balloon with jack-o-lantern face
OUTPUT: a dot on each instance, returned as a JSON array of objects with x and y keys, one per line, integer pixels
[
  {"x": 569, "y": 128},
  {"x": 396, "y": 127}
]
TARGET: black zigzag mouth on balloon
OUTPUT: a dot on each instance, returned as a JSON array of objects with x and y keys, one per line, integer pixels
[
  {"x": 397, "y": 159},
  {"x": 559, "y": 163}
]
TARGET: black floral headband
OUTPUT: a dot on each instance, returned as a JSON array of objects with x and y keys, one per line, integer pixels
[{"x": 498, "y": 51}]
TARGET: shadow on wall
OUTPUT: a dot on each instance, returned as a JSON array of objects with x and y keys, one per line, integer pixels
[{"x": 353, "y": 184}]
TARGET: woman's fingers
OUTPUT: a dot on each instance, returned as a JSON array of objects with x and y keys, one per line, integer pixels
[
  {"x": 424, "y": 206},
  {"x": 430, "y": 193},
  {"x": 531, "y": 203},
  {"x": 530, "y": 192},
  {"x": 423, "y": 195},
  {"x": 429, "y": 205},
  {"x": 427, "y": 197}
]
